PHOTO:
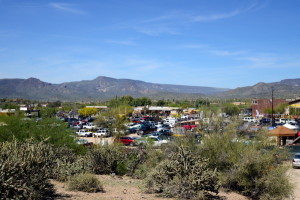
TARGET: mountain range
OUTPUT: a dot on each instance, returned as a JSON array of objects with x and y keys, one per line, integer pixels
[{"x": 105, "y": 88}]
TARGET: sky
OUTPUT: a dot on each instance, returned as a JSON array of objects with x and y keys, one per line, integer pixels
[{"x": 214, "y": 43}]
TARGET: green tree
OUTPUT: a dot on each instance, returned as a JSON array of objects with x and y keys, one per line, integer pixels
[
  {"x": 115, "y": 119},
  {"x": 87, "y": 112},
  {"x": 49, "y": 130},
  {"x": 161, "y": 103},
  {"x": 231, "y": 109},
  {"x": 144, "y": 101},
  {"x": 47, "y": 112}
]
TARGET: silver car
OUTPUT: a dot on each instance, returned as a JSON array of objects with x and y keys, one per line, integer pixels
[{"x": 296, "y": 160}]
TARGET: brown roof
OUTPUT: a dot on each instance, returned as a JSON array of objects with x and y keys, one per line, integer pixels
[{"x": 282, "y": 131}]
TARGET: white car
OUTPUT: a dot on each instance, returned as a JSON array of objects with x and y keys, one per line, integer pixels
[
  {"x": 134, "y": 125},
  {"x": 250, "y": 119},
  {"x": 102, "y": 133},
  {"x": 296, "y": 160},
  {"x": 154, "y": 140},
  {"x": 90, "y": 126},
  {"x": 84, "y": 132}
]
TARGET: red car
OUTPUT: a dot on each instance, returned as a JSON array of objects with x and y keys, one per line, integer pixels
[
  {"x": 127, "y": 140},
  {"x": 189, "y": 127}
]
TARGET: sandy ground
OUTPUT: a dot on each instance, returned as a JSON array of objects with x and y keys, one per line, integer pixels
[
  {"x": 294, "y": 175},
  {"x": 130, "y": 189},
  {"x": 123, "y": 188}
]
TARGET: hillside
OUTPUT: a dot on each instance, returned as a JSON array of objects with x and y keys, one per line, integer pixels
[
  {"x": 105, "y": 88},
  {"x": 288, "y": 88},
  {"x": 101, "y": 88}
]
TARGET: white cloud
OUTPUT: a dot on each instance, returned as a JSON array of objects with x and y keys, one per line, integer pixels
[
  {"x": 261, "y": 60},
  {"x": 66, "y": 8},
  {"x": 122, "y": 42},
  {"x": 157, "y": 30},
  {"x": 226, "y": 53},
  {"x": 216, "y": 16},
  {"x": 193, "y": 46},
  {"x": 255, "y": 6}
]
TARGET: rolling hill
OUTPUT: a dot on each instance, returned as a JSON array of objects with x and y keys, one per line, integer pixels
[
  {"x": 101, "y": 88},
  {"x": 105, "y": 88}
]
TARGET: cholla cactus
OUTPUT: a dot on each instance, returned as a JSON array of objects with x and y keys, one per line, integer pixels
[
  {"x": 184, "y": 175},
  {"x": 24, "y": 170}
]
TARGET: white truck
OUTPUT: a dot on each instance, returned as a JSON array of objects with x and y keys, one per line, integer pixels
[
  {"x": 84, "y": 132},
  {"x": 101, "y": 133},
  {"x": 250, "y": 119}
]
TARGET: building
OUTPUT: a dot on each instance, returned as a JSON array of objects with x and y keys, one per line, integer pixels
[
  {"x": 166, "y": 111},
  {"x": 260, "y": 105},
  {"x": 295, "y": 106}
]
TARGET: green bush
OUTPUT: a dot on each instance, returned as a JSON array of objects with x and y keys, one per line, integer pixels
[
  {"x": 249, "y": 168},
  {"x": 146, "y": 162},
  {"x": 50, "y": 131},
  {"x": 65, "y": 168},
  {"x": 258, "y": 176},
  {"x": 85, "y": 183},
  {"x": 105, "y": 159},
  {"x": 183, "y": 175},
  {"x": 25, "y": 169}
]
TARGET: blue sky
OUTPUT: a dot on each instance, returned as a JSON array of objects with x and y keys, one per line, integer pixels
[{"x": 216, "y": 43}]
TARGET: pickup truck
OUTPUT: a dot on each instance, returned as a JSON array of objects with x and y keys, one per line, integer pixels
[
  {"x": 90, "y": 126},
  {"x": 84, "y": 132},
  {"x": 102, "y": 133}
]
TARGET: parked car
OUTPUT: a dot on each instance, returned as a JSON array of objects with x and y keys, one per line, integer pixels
[
  {"x": 134, "y": 125},
  {"x": 131, "y": 130},
  {"x": 84, "y": 132},
  {"x": 265, "y": 121},
  {"x": 84, "y": 142},
  {"x": 249, "y": 119},
  {"x": 296, "y": 160},
  {"x": 126, "y": 140},
  {"x": 189, "y": 127},
  {"x": 90, "y": 126},
  {"x": 154, "y": 140},
  {"x": 102, "y": 133}
]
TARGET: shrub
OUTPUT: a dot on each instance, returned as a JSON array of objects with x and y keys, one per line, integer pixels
[
  {"x": 183, "y": 175},
  {"x": 259, "y": 178},
  {"x": 25, "y": 169},
  {"x": 104, "y": 159},
  {"x": 50, "y": 131},
  {"x": 148, "y": 161},
  {"x": 85, "y": 183},
  {"x": 248, "y": 168},
  {"x": 65, "y": 168}
]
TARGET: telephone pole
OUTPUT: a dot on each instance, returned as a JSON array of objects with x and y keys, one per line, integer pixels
[{"x": 273, "y": 120}]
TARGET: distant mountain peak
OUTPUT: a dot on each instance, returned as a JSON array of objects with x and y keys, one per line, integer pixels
[{"x": 105, "y": 88}]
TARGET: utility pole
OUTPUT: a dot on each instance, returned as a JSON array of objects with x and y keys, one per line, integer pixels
[{"x": 273, "y": 121}]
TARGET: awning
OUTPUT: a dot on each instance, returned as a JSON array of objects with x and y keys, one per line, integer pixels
[{"x": 282, "y": 131}]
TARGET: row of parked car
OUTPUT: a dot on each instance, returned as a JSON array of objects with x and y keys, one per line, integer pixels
[
  {"x": 268, "y": 121},
  {"x": 155, "y": 138},
  {"x": 98, "y": 133}
]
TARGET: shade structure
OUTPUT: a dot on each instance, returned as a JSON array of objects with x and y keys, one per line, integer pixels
[
  {"x": 282, "y": 131},
  {"x": 291, "y": 126}
]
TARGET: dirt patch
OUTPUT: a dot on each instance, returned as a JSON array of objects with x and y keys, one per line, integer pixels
[
  {"x": 115, "y": 187},
  {"x": 124, "y": 188}
]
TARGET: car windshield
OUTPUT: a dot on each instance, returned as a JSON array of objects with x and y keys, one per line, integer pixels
[{"x": 297, "y": 156}]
